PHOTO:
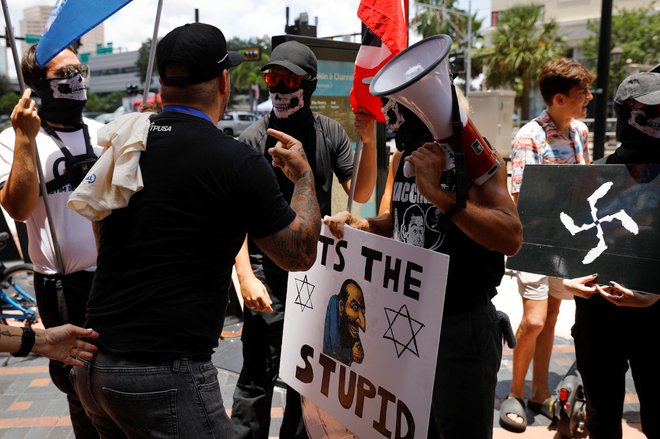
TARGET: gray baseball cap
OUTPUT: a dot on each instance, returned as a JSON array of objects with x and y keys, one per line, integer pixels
[
  {"x": 643, "y": 87},
  {"x": 293, "y": 56}
]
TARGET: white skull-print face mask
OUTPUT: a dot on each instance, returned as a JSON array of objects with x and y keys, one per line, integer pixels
[
  {"x": 69, "y": 88},
  {"x": 650, "y": 126},
  {"x": 285, "y": 104}
]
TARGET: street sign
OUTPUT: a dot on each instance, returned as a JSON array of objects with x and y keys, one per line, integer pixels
[
  {"x": 251, "y": 53},
  {"x": 32, "y": 38}
]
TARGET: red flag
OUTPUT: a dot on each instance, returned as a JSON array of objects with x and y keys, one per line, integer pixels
[
  {"x": 387, "y": 20},
  {"x": 386, "y": 34}
]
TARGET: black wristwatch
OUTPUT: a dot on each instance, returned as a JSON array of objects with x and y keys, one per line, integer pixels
[{"x": 27, "y": 342}]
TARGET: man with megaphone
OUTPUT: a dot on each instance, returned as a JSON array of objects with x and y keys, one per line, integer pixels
[{"x": 475, "y": 232}]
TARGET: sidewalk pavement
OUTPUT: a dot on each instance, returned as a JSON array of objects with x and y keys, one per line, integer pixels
[{"x": 31, "y": 406}]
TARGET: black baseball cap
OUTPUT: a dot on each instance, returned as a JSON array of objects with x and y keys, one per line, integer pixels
[
  {"x": 643, "y": 87},
  {"x": 199, "y": 46},
  {"x": 293, "y": 56}
]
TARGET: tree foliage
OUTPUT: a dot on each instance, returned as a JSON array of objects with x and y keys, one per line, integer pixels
[
  {"x": 8, "y": 97},
  {"x": 104, "y": 102},
  {"x": 143, "y": 61},
  {"x": 522, "y": 44},
  {"x": 249, "y": 73},
  {"x": 8, "y": 101},
  {"x": 635, "y": 31},
  {"x": 448, "y": 19},
  {"x": 437, "y": 19}
]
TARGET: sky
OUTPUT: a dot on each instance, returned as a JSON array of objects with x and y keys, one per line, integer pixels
[{"x": 134, "y": 23}]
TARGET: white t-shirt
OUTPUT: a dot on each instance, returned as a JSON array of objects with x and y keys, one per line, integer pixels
[{"x": 74, "y": 232}]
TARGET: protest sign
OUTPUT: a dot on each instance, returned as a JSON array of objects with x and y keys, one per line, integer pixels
[
  {"x": 578, "y": 220},
  {"x": 361, "y": 333}
]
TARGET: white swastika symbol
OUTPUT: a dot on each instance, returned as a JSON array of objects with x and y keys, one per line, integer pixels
[{"x": 626, "y": 221}]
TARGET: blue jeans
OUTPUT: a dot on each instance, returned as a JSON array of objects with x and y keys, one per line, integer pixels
[{"x": 174, "y": 399}]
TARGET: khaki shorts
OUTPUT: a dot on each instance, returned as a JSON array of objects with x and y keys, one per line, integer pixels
[{"x": 534, "y": 286}]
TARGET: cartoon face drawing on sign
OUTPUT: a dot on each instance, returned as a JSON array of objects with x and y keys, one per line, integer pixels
[{"x": 344, "y": 318}]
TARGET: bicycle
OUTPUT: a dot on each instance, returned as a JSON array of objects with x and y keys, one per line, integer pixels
[{"x": 17, "y": 290}]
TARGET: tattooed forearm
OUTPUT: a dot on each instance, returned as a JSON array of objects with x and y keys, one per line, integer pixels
[
  {"x": 294, "y": 247},
  {"x": 304, "y": 202},
  {"x": 8, "y": 333},
  {"x": 10, "y": 339}
]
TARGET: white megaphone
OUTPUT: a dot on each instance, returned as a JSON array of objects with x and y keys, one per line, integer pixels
[{"x": 419, "y": 79}]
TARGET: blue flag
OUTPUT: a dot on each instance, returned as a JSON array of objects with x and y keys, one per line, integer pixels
[{"x": 70, "y": 20}]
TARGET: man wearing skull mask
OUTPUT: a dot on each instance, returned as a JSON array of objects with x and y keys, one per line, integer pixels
[
  {"x": 476, "y": 238},
  {"x": 63, "y": 140},
  {"x": 603, "y": 354},
  {"x": 291, "y": 79}
]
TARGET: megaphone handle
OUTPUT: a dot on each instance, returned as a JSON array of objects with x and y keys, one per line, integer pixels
[{"x": 459, "y": 155}]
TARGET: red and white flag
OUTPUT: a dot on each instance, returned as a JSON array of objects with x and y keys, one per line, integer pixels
[{"x": 386, "y": 34}]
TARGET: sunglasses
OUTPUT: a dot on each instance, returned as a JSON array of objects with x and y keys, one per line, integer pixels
[
  {"x": 291, "y": 81},
  {"x": 69, "y": 71}
]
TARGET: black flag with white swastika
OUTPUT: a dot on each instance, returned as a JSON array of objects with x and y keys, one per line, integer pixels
[{"x": 584, "y": 219}]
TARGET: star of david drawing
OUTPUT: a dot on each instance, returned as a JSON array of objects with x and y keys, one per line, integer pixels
[
  {"x": 304, "y": 297},
  {"x": 626, "y": 221},
  {"x": 406, "y": 329}
]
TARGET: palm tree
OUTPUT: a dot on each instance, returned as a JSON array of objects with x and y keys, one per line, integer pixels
[
  {"x": 522, "y": 44},
  {"x": 444, "y": 17},
  {"x": 248, "y": 74},
  {"x": 439, "y": 19}
]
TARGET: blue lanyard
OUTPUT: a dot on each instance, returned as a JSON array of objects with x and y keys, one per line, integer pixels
[{"x": 189, "y": 110}]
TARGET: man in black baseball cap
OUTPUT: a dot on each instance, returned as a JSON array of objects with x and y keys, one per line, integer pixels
[
  {"x": 602, "y": 357},
  {"x": 175, "y": 244},
  {"x": 201, "y": 48},
  {"x": 291, "y": 77},
  {"x": 637, "y": 106}
]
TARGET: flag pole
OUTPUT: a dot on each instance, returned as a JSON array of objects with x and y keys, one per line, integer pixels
[
  {"x": 42, "y": 181},
  {"x": 12, "y": 41},
  {"x": 356, "y": 165},
  {"x": 152, "y": 55}
]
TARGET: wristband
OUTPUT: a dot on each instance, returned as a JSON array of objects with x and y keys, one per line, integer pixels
[
  {"x": 27, "y": 342},
  {"x": 451, "y": 212}
]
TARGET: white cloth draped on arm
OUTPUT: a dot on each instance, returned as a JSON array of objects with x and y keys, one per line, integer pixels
[{"x": 116, "y": 175}]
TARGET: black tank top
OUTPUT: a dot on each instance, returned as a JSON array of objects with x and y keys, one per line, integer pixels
[{"x": 474, "y": 271}]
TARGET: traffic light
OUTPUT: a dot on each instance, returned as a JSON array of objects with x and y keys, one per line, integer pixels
[
  {"x": 132, "y": 89},
  {"x": 457, "y": 62},
  {"x": 251, "y": 53}
]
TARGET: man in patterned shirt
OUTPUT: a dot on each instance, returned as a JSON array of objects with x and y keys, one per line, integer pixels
[{"x": 554, "y": 137}]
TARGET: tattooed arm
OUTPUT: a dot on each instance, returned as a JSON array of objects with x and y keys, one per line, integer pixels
[{"x": 294, "y": 247}]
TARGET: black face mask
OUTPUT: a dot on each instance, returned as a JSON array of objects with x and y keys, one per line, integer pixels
[
  {"x": 409, "y": 131},
  {"x": 634, "y": 127},
  {"x": 62, "y": 99}
]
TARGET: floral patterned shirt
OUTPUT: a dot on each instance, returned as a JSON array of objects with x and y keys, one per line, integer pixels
[{"x": 540, "y": 142}]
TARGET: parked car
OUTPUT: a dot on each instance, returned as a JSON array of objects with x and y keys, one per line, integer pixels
[
  {"x": 234, "y": 122},
  {"x": 109, "y": 117},
  {"x": 92, "y": 114}
]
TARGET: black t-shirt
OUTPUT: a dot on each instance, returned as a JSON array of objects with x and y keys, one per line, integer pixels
[
  {"x": 474, "y": 271},
  {"x": 165, "y": 260}
]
